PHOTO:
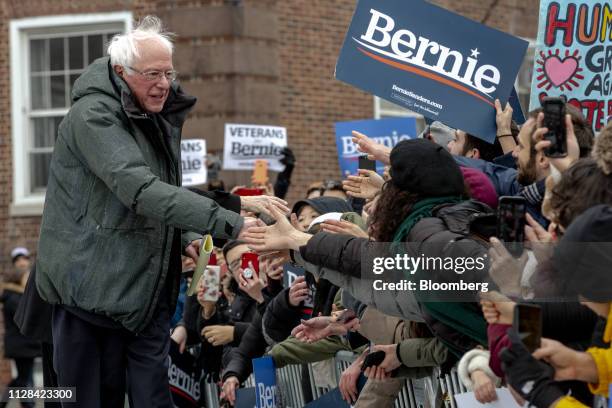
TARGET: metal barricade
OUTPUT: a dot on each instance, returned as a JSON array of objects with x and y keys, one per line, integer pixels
[
  {"x": 436, "y": 391},
  {"x": 289, "y": 383}
]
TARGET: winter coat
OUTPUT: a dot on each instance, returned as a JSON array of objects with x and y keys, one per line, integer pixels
[
  {"x": 16, "y": 345},
  {"x": 253, "y": 342},
  {"x": 505, "y": 181},
  {"x": 337, "y": 258},
  {"x": 114, "y": 210},
  {"x": 280, "y": 318},
  {"x": 34, "y": 315}
]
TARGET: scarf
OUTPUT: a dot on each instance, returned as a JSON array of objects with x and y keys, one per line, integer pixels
[{"x": 462, "y": 317}]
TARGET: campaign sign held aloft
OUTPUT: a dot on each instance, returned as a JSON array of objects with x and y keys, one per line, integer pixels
[
  {"x": 265, "y": 383},
  {"x": 574, "y": 57},
  {"x": 388, "y": 132},
  {"x": 243, "y": 144},
  {"x": 431, "y": 61}
]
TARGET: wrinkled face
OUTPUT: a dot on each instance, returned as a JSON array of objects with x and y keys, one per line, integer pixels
[
  {"x": 306, "y": 215},
  {"x": 149, "y": 94}
]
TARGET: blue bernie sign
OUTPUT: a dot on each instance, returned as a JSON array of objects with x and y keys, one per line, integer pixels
[
  {"x": 385, "y": 131},
  {"x": 431, "y": 61},
  {"x": 265, "y": 382}
]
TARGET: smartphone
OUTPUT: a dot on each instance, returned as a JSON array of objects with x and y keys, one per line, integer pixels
[
  {"x": 253, "y": 258},
  {"x": 260, "y": 172},
  {"x": 213, "y": 259},
  {"x": 373, "y": 359},
  {"x": 528, "y": 324},
  {"x": 212, "y": 283},
  {"x": 554, "y": 120},
  {"x": 367, "y": 164},
  {"x": 511, "y": 223},
  {"x": 245, "y": 192}
]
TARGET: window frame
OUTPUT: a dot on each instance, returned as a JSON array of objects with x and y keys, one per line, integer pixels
[{"x": 21, "y": 31}]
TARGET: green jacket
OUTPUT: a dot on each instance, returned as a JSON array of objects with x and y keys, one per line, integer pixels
[{"x": 113, "y": 202}]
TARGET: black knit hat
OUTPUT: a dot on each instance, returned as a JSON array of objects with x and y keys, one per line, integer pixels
[
  {"x": 583, "y": 257},
  {"x": 425, "y": 168},
  {"x": 323, "y": 205}
]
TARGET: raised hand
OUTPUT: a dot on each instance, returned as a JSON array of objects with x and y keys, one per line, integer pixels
[
  {"x": 343, "y": 227},
  {"x": 375, "y": 151},
  {"x": 365, "y": 185},
  {"x": 497, "y": 308},
  {"x": 573, "y": 150},
  {"x": 260, "y": 204},
  {"x": 282, "y": 235},
  {"x": 506, "y": 270},
  {"x": 298, "y": 292}
]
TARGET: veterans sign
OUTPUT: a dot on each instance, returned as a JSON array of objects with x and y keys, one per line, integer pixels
[
  {"x": 193, "y": 162},
  {"x": 431, "y": 61},
  {"x": 246, "y": 143},
  {"x": 388, "y": 132},
  {"x": 574, "y": 57}
]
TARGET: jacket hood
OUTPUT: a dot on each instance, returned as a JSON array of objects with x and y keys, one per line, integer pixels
[
  {"x": 324, "y": 205},
  {"x": 100, "y": 78},
  {"x": 459, "y": 217}
]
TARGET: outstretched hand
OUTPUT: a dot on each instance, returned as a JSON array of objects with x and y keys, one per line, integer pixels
[
  {"x": 375, "y": 151},
  {"x": 281, "y": 235},
  {"x": 320, "y": 327},
  {"x": 366, "y": 185},
  {"x": 260, "y": 204}
]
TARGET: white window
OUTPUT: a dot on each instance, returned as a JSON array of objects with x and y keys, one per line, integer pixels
[{"x": 47, "y": 55}]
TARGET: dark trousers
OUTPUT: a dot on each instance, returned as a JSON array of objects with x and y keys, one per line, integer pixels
[
  {"x": 100, "y": 361},
  {"x": 25, "y": 371}
]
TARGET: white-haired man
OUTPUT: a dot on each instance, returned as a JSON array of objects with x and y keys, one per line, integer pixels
[{"x": 114, "y": 223}]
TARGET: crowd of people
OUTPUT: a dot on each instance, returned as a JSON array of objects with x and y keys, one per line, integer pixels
[
  {"x": 111, "y": 239},
  {"x": 443, "y": 187}
]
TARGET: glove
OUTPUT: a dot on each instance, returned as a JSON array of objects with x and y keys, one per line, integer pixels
[
  {"x": 531, "y": 378},
  {"x": 288, "y": 157}
]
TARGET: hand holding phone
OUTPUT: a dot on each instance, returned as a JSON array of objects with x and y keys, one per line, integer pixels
[
  {"x": 247, "y": 260},
  {"x": 528, "y": 324},
  {"x": 554, "y": 121},
  {"x": 373, "y": 359},
  {"x": 260, "y": 172},
  {"x": 211, "y": 281},
  {"x": 367, "y": 164},
  {"x": 511, "y": 223}
]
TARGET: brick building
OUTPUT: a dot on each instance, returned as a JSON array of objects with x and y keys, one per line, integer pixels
[{"x": 248, "y": 61}]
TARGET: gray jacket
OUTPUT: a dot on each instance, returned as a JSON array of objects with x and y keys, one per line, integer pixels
[{"x": 114, "y": 207}]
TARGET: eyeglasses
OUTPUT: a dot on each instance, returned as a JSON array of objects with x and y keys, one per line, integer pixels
[{"x": 157, "y": 75}]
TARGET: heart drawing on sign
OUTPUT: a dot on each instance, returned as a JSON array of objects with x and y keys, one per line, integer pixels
[{"x": 560, "y": 73}]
